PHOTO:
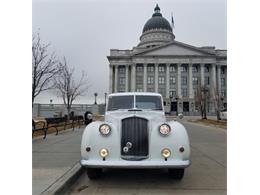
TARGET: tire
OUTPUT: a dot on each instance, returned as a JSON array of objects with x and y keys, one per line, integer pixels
[
  {"x": 176, "y": 174},
  {"x": 94, "y": 173}
]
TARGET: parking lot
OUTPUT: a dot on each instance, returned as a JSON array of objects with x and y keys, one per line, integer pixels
[{"x": 206, "y": 175}]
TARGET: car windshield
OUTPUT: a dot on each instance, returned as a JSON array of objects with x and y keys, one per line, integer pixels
[
  {"x": 127, "y": 102},
  {"x": 148, "y": 102},
  {"x": 120, "y": 102}
]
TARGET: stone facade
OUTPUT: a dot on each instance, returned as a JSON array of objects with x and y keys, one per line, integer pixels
[{"x": 174, "y": 69}]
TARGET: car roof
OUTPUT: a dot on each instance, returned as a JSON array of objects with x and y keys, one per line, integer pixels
[{"x": 135, "y": 93}]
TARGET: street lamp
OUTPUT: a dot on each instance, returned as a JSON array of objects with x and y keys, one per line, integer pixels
[
  {"x": 177, "y": 98},
  {"x": 95, "y": 94},
  {"x": 105, "y": 99},
  {"x": 205, "y": 90}
]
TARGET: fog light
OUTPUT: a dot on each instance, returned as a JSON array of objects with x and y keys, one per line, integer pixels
[
  {"x": 103, "y": 152},
  {"x": 166, "y": 152}
]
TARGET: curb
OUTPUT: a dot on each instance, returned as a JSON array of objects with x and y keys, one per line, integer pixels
[{"x": 62, "y": 184}]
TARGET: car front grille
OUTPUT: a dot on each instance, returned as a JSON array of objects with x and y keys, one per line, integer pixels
[{"x": 135, "y": 132}]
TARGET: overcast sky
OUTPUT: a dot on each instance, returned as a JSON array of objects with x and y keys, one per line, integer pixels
[{"x": 84, "y": 31}]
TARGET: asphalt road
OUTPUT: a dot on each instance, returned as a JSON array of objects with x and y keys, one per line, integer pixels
[{"x": 205, "y": 176}]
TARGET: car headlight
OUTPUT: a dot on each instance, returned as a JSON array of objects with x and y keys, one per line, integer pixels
[
  {"x": 164, "y": 129},
  {"x": 105, "y": 129}
]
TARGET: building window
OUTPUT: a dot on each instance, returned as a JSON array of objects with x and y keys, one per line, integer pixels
[
  {"x": 195, "y": 68},
  {"x": 150, "y": 89},
  {"x": 195, "y": 81},
  {"x": 150, "y": 80},
  {"x": 207, "y": 80},
  {"x": 150, "y": 68},
  {"x": 223, "y": 70},
  {"x": 207, "y": 68},
  {"x": 121, "y": 81},
  {"x": 172, "y": 80},
  {"x": 172, "y": 92},
  {"x": 222, "y": 82},
  {"x": 184, "y": 92},
  {"x": 139, "y": 90},
  {"x": 162, "y": 91},
  {"x": 223, "y": 93},
  {"x": 184, "y": 80},
  {"x": 121, "y": 70},
  {"x": 161, "y": 80},
  {"x": 195, "y": 92},
  {"x": 184, "y": 68},
  {"x": 172, "y": 68},
  {"x": 139, "y": 80},
  {"x": 161, "y": 69},
  {"x": 121, "y": 89},
  {"x": 139, "y": 68}
]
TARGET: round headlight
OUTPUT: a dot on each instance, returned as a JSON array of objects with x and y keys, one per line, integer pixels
[
  {"x": 166, "y": 153},
  {"x": 105, "y": 129},
  {"x": 164, "y": 129},
  {"x": 103, "y": 152}
]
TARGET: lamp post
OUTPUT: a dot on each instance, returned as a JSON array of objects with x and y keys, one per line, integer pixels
[
  {"x": 177, "y": 98},
  {"x": 95, "y": 94},
  {"x": 205, "y": 90},
  {"x": 105, "y": 99}
]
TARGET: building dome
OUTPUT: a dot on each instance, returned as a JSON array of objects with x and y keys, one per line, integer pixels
[
  {"x": 157, "y": 21},
  {"x": 157, "y": 31}
]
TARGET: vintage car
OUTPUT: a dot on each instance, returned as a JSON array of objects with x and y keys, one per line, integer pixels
[{"x": 135, "y": 134}]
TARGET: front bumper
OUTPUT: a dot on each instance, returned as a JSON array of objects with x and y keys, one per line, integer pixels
[{"x": 135, "y": 164}]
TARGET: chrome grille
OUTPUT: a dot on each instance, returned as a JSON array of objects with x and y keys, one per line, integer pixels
[{"x": 134, "y": 131}]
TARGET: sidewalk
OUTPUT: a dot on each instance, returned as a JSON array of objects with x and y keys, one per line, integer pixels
[{"x": 53, "y": 157}]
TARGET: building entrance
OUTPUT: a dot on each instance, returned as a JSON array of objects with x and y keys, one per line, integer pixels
[
  {"x": 186, "y": 107},
  {"x": 173, "y": 106}
]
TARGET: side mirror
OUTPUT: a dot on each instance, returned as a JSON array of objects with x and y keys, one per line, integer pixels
[{"x": 180, "y": 116}]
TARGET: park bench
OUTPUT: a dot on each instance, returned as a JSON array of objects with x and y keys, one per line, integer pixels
[
  {"x": 43, "y": 127},
  {"x": 56, "y": 123}
]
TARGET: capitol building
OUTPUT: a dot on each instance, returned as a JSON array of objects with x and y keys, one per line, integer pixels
[{"x": 174, "y": 69}]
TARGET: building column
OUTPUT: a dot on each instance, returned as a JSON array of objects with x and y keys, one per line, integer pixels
[
  {"x": 156, "y": 78},
  {"x": 133, "y": 78},
  {"x": 116, "y": 78},
  {"x": 213, "y": 79},
  {"x": 145, "y": 78},
  {"x": 126, "y": 78},
  {"x": 167, "y": 81},
  {"x": 202, "y": 77},
  {"x": 219, "y": 79},
  {"x": 179, "y": 80},
  {"x": 110, "y": 79},
  {"x": 190, "y": 82}
]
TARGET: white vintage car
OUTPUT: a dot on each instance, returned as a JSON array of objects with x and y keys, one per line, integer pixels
[{"x": 135, "y": 134}]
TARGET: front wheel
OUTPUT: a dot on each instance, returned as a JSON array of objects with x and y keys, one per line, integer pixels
[
  {"x": 176, "y": 174},
  {"x": 94, "y": 173}
]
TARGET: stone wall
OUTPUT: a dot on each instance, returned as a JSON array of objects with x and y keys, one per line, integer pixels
[{"x": 52, "y": 110}]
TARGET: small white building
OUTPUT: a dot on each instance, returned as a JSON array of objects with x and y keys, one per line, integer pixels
[{"x": 174, "y": 69}]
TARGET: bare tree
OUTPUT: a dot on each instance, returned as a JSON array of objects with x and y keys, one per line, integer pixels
[
  {"x": 217, "y": 102},
  {"x": 67, "y": 87},
  {"x": 201, "y": 99},
  {"x": 44, "y": 67}
]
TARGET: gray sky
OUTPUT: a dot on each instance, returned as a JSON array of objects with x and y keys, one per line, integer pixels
[{"x": 84, "y": 31}]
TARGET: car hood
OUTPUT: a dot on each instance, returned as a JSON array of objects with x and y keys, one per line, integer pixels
[{"x": 116, "y": 116}]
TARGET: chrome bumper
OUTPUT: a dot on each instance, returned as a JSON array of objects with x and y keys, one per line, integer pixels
[{"x": 135, "y": 164}]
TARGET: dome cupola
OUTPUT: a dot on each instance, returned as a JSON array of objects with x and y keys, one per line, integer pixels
[{"x": 157, "y": 30}]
